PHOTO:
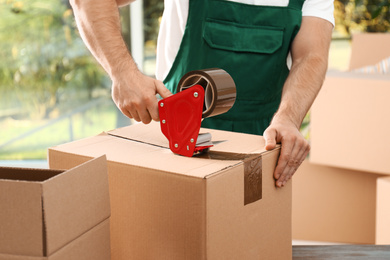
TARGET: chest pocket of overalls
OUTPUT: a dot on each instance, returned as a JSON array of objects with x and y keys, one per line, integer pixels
[{"x": 251, "y": 53}]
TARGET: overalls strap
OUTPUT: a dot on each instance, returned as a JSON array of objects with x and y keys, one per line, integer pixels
[{"x": 296, "y": 4}]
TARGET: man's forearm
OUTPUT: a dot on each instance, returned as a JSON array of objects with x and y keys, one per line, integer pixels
[
  {"x": 133, "y": 92},
  {"x": 301, "y": 88},
  {"x": 99, "y": 25},
  {"x": 310, "y": 62}
]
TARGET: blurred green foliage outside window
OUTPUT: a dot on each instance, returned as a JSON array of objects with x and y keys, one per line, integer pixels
[
  {"x": 52, "y": 89},
  {"x": 354, "y": 16},
  {"x": 45, "y": 73}
]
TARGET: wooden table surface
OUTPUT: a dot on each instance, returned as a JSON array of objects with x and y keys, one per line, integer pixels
[{"x": 358, "y": 252}]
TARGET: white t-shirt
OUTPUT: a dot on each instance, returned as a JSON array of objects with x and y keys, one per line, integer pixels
[{"x": 174, "y": 21}]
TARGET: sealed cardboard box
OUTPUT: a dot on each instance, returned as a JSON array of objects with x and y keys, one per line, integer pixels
[
  {"x": 221, "y": 205},
  {"x": 341, "y": 195},
  {"x": 55, "y": 214},
  {"x": 349, "y": 123},
  {"x": 340, "y": 205}
]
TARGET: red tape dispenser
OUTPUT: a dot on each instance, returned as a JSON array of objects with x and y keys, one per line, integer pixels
[{"x": 201, "y": 94}]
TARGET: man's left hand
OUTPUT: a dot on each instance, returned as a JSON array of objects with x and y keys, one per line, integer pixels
[{"x": 294, "y": 149}]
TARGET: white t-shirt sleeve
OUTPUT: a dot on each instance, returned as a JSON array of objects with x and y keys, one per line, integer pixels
[
  {"x": 319, "y": 8},
  {"x": 171, "y": 32}
]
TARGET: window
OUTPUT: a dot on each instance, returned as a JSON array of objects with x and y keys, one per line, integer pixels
[{"x": 52, "y": 89}]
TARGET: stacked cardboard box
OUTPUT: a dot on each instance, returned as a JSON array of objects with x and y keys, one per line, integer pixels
[
  {"x": 55, "y": 214},
  {"x": 350, "y": 123},
  {"x": 222, "y": 205},
  {"x": 340, "y": 205},
  {"x": 341, "y": 194}
]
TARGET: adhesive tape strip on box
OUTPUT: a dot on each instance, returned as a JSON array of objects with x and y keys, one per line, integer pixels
[{"x": 220, "y": 90}]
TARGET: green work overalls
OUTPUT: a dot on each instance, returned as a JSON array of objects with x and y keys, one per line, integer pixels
[{"x": 251, "y": 43}]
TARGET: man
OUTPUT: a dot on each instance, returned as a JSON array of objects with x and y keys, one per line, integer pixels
[{"x": 250, "y": 39}]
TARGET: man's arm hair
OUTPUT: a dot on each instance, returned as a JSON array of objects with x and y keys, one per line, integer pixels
[
  {"x": 133, "y": 92},
  {"x": 98, "y": 22},
  {"x": 309, "y": 52}
]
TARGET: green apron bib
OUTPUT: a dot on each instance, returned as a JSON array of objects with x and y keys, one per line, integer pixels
[{"x": 251, "y": 43}]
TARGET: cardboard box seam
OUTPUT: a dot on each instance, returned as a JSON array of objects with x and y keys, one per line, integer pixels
[
  {"x": 31, "y": 169},
  {"x": 167, "y": 148},
  {"x": 19, "y": 256},
  {"x": 45, "y": 256},
  {"x": 142, "y": 167},
  {"x": 205, "y": 217},
  {"x": 355, "y": 75},
  {"x": 44, "y": 225},
  {"x": 53, "y": 149},
  {"x": 278, "y": 147},
  {"x": 351, "y": 168},
  {"x": 241, "y": 161},
  {"x": 221, "y": 171},
  {"x": 82, "y": 234},
  {"x": 138, "y": 141}
]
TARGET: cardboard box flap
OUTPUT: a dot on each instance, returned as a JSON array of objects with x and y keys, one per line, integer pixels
[
  {"x": 223, "y": 140},
  {"x": 139, "y": 154},
  {"x": 93, "y": 245},
  {"x": 148, "y": 134},
  {"x": 21, "y": 217},
  {"x": 74, "y": 202},
  {"x": 25, "y": 174},
  {"x": 137, "y": 144},
  {"x": 40, "y": 205}
]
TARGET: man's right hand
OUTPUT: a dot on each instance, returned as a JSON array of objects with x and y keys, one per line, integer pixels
[{"x": 135, "y": 95}]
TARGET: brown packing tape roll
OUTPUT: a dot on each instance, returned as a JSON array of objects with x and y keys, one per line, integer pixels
[{"x": 220, "y": 90}]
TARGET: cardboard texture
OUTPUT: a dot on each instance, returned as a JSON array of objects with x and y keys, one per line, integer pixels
[
  {"x": 377, "y": 43},
  {"x": 165, "y": 206},
  {"x": 44, "y": 211},
  {"x": 349, "y": 123},
  {"x": 94, "y": 244},
  {"x": 340, "y": 205},
  {"x": 383, "y": 211},
  {"x": 341, "y": 195}
]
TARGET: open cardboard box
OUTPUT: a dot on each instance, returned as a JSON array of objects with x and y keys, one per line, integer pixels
[
  {"x": 222, "y": 205},
  {"x": 55, "y": 214}
]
